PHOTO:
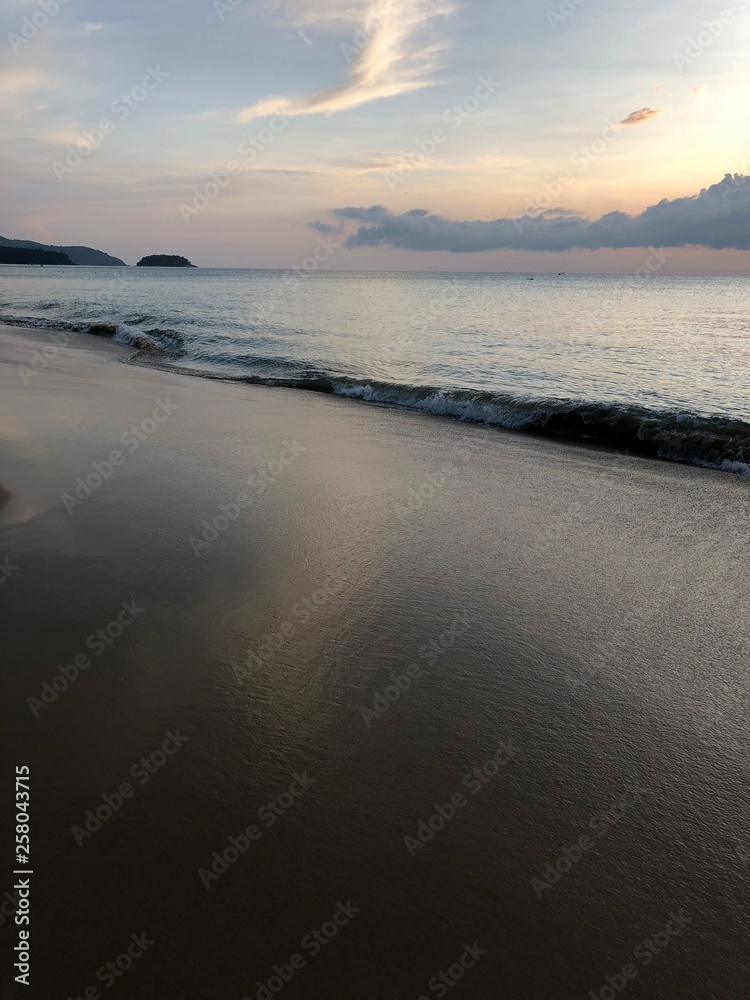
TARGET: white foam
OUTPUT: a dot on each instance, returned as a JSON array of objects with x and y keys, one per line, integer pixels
[
  {"x": 741, "y": 468},
  {"x": 132, "y": 335}
]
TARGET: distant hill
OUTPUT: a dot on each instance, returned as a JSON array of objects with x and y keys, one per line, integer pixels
[
  {"x": 78, "y": 255},
  {"x": 22, "y": 255},
  {"x": 164, "y": 260}
]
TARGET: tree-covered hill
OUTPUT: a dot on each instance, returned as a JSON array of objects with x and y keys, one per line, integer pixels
[
  {"x": 164, "y": 260},
  {"x": 21, "y": 255},
  {"x": 78, "y": 255}
]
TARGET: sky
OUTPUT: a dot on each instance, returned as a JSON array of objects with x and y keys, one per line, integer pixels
[{"x": 483, "y": 135}]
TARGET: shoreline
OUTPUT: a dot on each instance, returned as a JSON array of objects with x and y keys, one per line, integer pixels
[{"x": 682, "y": 437}]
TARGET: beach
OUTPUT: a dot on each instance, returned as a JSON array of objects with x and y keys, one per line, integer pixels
[{"x": 365, "y": 692}]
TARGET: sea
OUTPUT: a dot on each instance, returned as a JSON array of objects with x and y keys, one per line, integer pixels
[{"x": 657, "y": 365}]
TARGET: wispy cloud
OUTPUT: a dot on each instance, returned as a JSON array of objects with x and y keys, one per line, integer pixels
[
  {"x": 388, "y": 51},
  {"x": 644, "y": 115},
  {"x": 718, "y": 217},
  {"x": 16, "y": 88},
  {"x": 491, "y": 162}
]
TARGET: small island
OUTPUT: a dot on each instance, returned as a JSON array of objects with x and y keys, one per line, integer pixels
[
  {"x": 164, "y": 260},
  {"x": 22, "y": 255}
]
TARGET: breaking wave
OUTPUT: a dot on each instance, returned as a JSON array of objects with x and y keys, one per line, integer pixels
[
  {"x": 169, "y": 341},
  {"x": 679, "y": 436},
  {"x": 685, "y": 436}
]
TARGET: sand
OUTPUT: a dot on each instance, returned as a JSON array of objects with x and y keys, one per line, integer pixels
[{"x": 303, "y": 622}]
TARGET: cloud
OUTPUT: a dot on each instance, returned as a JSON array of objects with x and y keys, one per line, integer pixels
[
  {"x": 62, "y": 136},
  {"x": 550, "y": 213},
  {"x": 636, "y": 117},
  {"x": 16, "y": 86},
  {"x": 696, "y": 91},
  {"x": 323, "y": 227},
  {"x": 388, "y": 55},
  {"x": 391, "y": 161},
  {"x": 718, "y": 217}
]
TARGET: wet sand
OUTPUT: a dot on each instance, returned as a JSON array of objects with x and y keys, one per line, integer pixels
[{"x": 454, "y": 694}]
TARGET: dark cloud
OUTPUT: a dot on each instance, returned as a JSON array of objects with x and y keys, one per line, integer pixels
[
  {"x": 636, "y": 117},
  {"x": 718, "y": 217},
  {"x": 373, "y": 214},
  {"x": 552, "y": 212},
  {"x": 323, "y": 227}
]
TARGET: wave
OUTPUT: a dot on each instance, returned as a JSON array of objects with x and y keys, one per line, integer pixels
[
  {"x": 684, "y": 436},
  {"x": 676, "y": 435},
  {"x": 168, "y": 341}
]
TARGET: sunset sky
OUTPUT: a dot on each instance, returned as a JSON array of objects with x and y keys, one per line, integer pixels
[{"x": 471, "y": 113}]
